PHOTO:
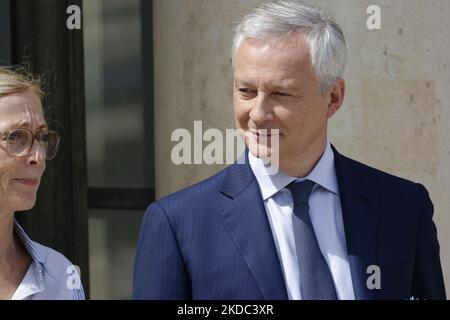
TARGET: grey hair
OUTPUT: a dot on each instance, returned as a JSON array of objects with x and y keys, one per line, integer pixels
[{"x": 323, "y": 35}]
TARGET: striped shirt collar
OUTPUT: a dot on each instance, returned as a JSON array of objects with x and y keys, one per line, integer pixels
[
  {"x": 33, "y": 251},
  {"x": 39, "y": 271}
]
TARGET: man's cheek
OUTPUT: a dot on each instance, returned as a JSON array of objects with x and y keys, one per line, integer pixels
[{"x": 242, "y": 120}]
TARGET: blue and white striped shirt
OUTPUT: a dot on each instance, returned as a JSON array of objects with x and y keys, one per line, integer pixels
[{"x": 50, "y": 276}]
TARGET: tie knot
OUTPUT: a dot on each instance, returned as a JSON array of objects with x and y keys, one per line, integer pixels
[{"x": 301, "y": 191}]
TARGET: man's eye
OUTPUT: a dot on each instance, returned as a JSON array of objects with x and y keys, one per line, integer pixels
[
  {"x": 247, "y": 91},
  {"x": 282, "y": 94}
]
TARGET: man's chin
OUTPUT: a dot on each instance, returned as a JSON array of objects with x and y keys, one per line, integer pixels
[{"x": 260, "y": 151}]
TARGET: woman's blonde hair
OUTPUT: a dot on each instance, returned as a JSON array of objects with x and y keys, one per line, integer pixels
[{"x": 18, "y": 79}]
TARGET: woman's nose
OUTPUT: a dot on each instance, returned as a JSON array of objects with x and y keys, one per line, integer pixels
[{"x": 37, "y": 153}]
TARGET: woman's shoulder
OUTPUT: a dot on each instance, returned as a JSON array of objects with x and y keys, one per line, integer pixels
[
  {"x": 54, "y": 260},
  {"x": 62, "y": 273},
  {"x": 54, "y": 276}
]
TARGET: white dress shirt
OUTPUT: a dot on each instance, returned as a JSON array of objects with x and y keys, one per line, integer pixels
[
  {"x": 326, "y": 217},
  {"x": 50, "y": 276}
]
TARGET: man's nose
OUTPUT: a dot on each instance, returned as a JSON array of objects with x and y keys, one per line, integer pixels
[
  {"x": 262, "y": 111},
  {"x": 36, "y": 156}
]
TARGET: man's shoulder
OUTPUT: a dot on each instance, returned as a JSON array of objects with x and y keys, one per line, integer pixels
[
  {"x": 386, "y": 179},
  {"x": 197, "y": 193}
]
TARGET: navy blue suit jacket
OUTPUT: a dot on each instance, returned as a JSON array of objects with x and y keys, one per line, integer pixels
[{"x": 213, "y": 240}]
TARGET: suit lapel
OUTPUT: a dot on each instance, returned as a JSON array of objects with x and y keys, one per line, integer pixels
[
  {"x": 359, "y": 201},
  {"x": 245, "y": 217}
]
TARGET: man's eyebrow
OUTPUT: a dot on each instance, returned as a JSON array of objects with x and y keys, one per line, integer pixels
[
  {"x": 242, "y": 83},
  {"x": 282, "y": 85}
]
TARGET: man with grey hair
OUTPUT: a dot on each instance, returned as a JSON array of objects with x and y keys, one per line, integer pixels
[{"x": 324, "y": 226}]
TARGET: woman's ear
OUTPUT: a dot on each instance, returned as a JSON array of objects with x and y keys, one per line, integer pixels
[{"x": 336, "y": 95}]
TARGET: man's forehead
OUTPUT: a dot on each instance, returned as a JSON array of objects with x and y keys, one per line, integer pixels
[
  {"x": 282, "y": 71},
  {"x": 277, "y": 82},
  {"x": 280, "y": 54}
]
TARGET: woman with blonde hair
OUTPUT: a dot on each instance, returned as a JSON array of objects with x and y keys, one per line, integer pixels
[{"x": 28, "y": 270}]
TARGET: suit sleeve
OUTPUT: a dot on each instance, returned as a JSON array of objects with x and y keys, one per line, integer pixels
[
  {"x": 159, "y": 271},
  {"x": 428, "y": 282}
]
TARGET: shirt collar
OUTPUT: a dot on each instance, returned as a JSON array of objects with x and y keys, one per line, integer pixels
[
  {"x": 29, "y": 245},
  {"x": 323, "y": 174},
  {"x": 39, "y": 274},
  {"x": 41, "y": 266}
]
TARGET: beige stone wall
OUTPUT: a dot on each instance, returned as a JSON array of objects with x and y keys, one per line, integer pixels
[{"x": 396, "y": 116}]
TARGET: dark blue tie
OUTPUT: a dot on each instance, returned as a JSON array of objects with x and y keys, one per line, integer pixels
[{"x": 316, "y": 281}]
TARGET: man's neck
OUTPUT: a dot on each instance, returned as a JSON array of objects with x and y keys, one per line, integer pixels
[{"x": 304, "y": 163}]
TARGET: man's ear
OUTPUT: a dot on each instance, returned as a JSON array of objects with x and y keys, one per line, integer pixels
[{"x": 336, "y": 96}]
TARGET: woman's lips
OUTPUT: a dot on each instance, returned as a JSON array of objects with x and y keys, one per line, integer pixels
[{"x": 28, "y": 182}]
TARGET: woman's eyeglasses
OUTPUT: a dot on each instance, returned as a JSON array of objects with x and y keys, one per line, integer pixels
[{"x": 20, "y": 141}]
